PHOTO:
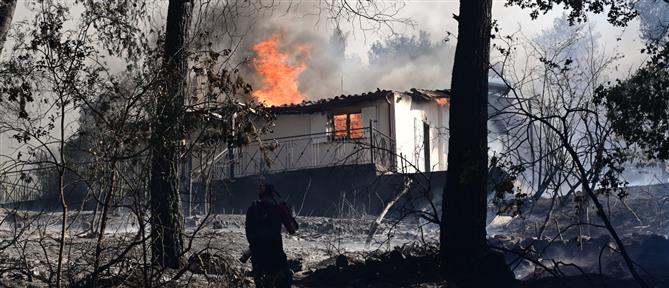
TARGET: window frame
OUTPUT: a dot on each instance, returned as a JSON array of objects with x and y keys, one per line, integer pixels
[{"x": 348, "y": 135}]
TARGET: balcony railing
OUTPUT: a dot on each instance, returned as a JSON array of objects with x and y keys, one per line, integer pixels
[{"x": 305, "y": 152}]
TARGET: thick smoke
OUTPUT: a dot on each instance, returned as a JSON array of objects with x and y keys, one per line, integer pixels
[
  {"x": 654, "y": 17},
  {"x": 398, "y": 62}
]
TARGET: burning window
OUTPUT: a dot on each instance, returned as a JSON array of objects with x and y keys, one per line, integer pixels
[
  {"x": 340, "y": 125},
  {"x": 348, "y": 126},
  {"x": 355, "y": 126},
  {"x": 442, "y": 101}
]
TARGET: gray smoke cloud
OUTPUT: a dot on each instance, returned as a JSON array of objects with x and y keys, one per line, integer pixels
[
  {"x": 654, "y": 17},
  {"x": 397, "y": 61}
]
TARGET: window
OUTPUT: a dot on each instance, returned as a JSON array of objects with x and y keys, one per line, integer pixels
[
  {"x": 355, "y": 126},
  {"x": 348, "y": 126},
  {"x": 341, "y": 126}
]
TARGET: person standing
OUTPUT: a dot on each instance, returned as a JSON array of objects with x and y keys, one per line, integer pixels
[{"x": 264, "y": 219}]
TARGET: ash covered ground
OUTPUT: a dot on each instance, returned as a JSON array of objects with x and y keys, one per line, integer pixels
[
  {"x": 589, "y": 260},
  {"x": 328, "y": 252},
  {"x": 30, "y": 259}
]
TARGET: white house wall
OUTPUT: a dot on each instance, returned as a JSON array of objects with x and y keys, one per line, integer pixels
[
  {"x": 314, "y": 148},
  {"x": 289, "y": 125},
  {"x": 383, "y": 120},
  {"x": 409, "y": 118},
  {"x": 399, "y": 117},
  {"x": 442, "y": 136}
]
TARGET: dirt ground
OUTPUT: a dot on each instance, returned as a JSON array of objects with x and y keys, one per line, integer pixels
[
  {"x": 328, "y": 252},
  {"x": 31, "y": 259}
]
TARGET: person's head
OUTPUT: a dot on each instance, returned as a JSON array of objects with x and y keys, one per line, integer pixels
[{"x": 265, "y": 191}]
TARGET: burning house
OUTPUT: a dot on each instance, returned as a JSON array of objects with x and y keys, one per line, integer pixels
[
  {"x": 351, "y": 151},
  {"x": 394, "y": 131},
  {"x": 350, "y": 148}
]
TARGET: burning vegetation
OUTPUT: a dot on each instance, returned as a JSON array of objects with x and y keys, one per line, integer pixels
[{"x": 279, "y": 77}]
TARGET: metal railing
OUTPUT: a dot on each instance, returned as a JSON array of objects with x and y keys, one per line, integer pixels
[{"x": 308, "y": 151}]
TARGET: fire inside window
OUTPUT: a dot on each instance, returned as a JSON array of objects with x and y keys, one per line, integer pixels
[{"x": 348, "y": 126}]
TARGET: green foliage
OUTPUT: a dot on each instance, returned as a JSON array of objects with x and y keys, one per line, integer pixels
[
  {"x": 619, "y": 13},
  {"x": 638, "y": 107},
  {"x": 639, "y": 110},
  {"x": 117, "y": 24},
  {"x": 504, "y": 178}
]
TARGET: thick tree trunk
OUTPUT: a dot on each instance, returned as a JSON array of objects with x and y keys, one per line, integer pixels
[
  {"x": 166, "y": 213},
  {"x": 7, "y": 8},
  {"x": 466, "y": 260}
]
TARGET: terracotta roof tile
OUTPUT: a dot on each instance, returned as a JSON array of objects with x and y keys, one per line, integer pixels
[{"x": 345, "y": 100}]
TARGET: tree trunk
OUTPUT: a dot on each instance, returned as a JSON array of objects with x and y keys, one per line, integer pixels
[
  {"x": 166, "y": 214},
  {"x": 103, "y": 222},
  {"x": 465, "y": 257},
  {"x": 7, "y": 8},
  {"x": 61, "y": 192}
]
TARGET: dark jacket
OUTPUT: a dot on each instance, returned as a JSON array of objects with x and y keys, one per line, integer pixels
[{"x": 263, "y": 231}]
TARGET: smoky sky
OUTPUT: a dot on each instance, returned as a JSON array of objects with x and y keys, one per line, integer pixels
[
  {"x": 343, "y": 51},
  {"x": 351, "y": 60},
  {"x": 396, "y": 59},
  {"x": 654, "y": 18},
  {"x": 399, "y": 62},
  {"x": 345, "y": 59}
]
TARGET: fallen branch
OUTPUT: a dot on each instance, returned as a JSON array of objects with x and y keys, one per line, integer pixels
[
  {"x": 304, "y": 197},
  {"x": 377, "y": 222}
]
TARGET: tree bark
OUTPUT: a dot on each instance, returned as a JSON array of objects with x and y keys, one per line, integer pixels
[
  {"x": 166, "y": 214},
  {"x": 7, "y": 8},
  {"x": 465, "y": 257}
]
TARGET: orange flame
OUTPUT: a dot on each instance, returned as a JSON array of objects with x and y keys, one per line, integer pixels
[
  {"x": 279, "y": 85},
  {"x": 442, "y": 101}
]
